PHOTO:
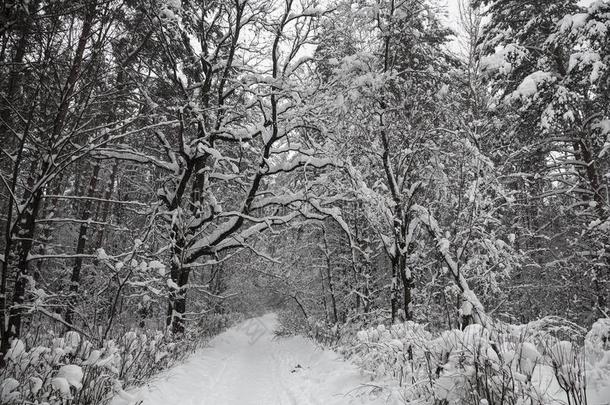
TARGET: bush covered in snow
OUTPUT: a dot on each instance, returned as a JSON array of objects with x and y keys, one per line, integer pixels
[
  {"x": 498, "y": 364},
  {"x": 74, "y": 370}
]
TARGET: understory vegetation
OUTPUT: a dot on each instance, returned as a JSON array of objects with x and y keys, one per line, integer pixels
[
  {"x": 426, "y": 192},
  {"x": 548, "y": 361},
  {"x": 70, "y": 368}
]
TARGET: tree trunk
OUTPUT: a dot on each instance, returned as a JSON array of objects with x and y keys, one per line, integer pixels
[
  {"x": 407, "y": 285},
  {"x": 81, "y": 244},
  {"x": 105, "y": 207},
  {"x": 23, "y": 232},
  {"x": 601, "y": 271},
  {"x": 12, "y": 231},
  {"x": 477, "y": 311},
  {"x": 176, "y": 307},
  {"x": 394, "y": 301},
  {"x": 333, "y": 300},
  {"x": 323, "y": 293},
  {"x": 177, "y": 301}
]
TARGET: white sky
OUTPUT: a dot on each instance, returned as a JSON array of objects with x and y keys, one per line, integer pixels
[
  {"x": 452, "y": 7},
  {"x": 453, "y": 15},
  {"x": 453, "y": 12}
]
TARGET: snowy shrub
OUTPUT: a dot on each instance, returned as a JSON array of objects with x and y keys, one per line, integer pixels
[
  {"x": 325, "y": 333},
  {"x": 73, "y": 370},
  {"x": 597, "y": 350},
  {"x": 499, "y": 364}
]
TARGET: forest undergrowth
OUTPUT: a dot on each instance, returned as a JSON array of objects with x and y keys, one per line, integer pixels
[
  {"x": 54, "y": 369},
  {"x": 547, "y": 361}
]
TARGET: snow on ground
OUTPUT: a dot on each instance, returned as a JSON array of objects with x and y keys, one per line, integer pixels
[{"x": 248, "y": 365}]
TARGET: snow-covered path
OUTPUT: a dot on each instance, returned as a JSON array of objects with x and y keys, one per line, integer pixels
[{"x": 247, "y": 365}]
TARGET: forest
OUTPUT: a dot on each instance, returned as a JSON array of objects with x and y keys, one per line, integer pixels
[{"x": 379, "y": 177}]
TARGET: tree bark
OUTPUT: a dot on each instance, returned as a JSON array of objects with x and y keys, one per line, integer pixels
[
  {"x": 81, "y": 243},
  {"x": 329, "y": 277},
  {"x": 105, "y": 207}
]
